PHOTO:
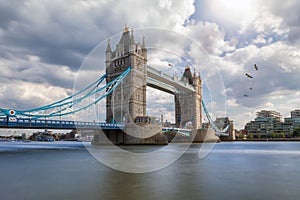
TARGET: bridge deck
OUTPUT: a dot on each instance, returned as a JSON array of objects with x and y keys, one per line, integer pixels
[
  {"x": 183, "y": 131},
  {"x": 27, "y": 123}
]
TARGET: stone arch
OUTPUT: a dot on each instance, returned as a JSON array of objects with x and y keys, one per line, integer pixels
[{"x": 188, "y": 124}]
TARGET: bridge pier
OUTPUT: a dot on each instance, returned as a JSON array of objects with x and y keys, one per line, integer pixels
[
  {"x": 197, "y": 136},
  {"x": 121, "y": 137},
  {"x": 204, "y": 135}
]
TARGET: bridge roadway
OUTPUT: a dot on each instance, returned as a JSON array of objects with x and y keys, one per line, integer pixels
[
  {"x": 159, "y": 80},
  {"x": 186, "y": 132},
  {"x": 27, "y": 123}
]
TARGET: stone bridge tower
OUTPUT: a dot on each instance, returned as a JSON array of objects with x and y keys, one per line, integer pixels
[
  {"x": 129, "y": 99},
  {"x": 188, "y": 107}
]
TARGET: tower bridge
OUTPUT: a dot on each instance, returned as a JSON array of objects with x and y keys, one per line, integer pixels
[
  {"x": 129, "y": 99},
  {"x": 127, "y": 76}
]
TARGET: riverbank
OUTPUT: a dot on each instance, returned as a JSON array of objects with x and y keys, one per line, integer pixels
[{"x": 269, "y": 139}]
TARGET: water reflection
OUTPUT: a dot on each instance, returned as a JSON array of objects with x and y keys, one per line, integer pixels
[{"x": 232, "y": 171}]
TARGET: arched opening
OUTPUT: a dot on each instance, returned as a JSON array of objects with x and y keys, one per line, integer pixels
[
  {"x": 160, "y": 105},
  {"x": 187, "y": 124}
]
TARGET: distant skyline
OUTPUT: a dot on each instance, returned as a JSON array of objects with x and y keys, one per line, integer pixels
[{"x": 43, "y": 44}]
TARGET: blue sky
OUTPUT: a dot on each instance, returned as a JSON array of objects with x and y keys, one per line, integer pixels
[{"x": 44, "y": 43}]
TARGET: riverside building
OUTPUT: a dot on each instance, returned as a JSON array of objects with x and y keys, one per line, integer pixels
[{"x": 268, "y": 122}]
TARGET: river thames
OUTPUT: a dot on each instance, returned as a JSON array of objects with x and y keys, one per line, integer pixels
[{"x": 233, "y": 170}]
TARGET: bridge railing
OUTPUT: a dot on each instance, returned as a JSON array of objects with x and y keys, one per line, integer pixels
[
  {"x": 183, "y": 131},
  {"x": 46, "y": 123}
]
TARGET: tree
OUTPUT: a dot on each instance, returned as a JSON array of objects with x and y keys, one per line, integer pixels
[
  {"x": 241, "y": 136},
  {"x": 281, "y": 135},
  {"x": 250, "y": 136},
  {"x": 296, "y": 132},
  {"x": 273, "y": 135}
]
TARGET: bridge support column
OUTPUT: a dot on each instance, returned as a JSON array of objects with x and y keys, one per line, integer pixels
[
  {"x": 188, "y": 104},
  {"x": 128, "y": 100}
]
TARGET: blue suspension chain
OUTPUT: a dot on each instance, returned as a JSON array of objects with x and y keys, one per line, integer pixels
[
  {"x": 212, "y": 122},
  {"x": 67, "y": 103}
]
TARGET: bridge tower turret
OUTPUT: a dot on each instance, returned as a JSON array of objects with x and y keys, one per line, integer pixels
[
  {"x": 188, "y": 104},
  {"x": 108, "y": 54},
  {"x": 129, "y": 99},
  {"x": 197, "y": 99}
]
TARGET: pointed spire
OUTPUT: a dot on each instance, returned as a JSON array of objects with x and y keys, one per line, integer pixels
[
  {"x": 144, "y": 44},
  {"x": 108, "y": 49},
  {"x": 125, "y": 28},
  {"x": 132, "y": 42},
  {"x": 187, "y": 75}
]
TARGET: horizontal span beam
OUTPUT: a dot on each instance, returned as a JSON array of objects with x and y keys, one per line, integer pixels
[
  {"x": 161, "y": 86},
  {"x": 160, "y": 77}
]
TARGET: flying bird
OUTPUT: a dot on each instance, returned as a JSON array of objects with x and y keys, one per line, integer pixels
[
  {"x": 251, "y": 88},
  {"x": 255, "y": 67},
  {"x": 248, "y": 75},
  {"x": 245, "y": 95}
]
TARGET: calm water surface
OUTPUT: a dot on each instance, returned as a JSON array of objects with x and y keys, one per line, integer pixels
[{"x": 239, "y": 170}]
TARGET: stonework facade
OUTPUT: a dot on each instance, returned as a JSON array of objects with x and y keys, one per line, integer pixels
[
  {"x": 129, "y": 99},
  {"x": 188, "y": 104}
]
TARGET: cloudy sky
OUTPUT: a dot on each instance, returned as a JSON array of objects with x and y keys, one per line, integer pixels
[{"x": 44, "y": 46}]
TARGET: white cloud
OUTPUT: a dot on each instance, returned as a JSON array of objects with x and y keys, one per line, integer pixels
[
  {"x": 231, "y": 103},
  {"x": 265, "y": 23},
  {"x": 210, "y": 36},
  {"x": 259, "y": 40}
]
